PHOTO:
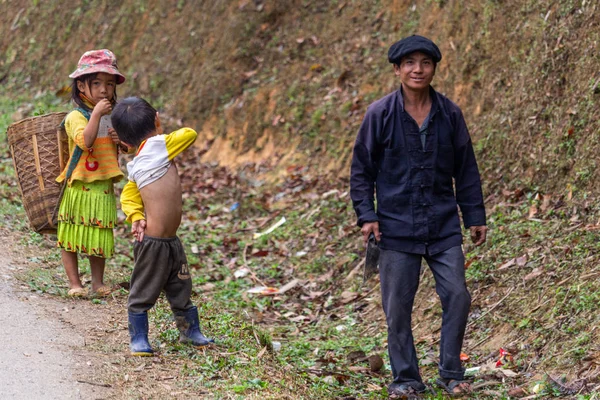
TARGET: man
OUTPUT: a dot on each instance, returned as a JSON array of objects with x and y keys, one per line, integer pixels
[{"x": 414, "y": 148}]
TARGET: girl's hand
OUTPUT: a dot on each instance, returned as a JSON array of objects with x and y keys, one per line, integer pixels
[
  {"x": 114, "y": 136},
  {"x": 104, "y": 107}
]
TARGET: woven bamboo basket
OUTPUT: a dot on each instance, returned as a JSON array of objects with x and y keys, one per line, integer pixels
[{"x": 39, "y": 151}]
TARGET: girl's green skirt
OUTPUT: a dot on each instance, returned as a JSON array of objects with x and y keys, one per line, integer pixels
[{"x": 86, "y": 217}]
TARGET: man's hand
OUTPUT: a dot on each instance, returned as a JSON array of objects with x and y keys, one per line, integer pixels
[
  {"x": 478, "y": 234},
  {"x": 369, "y": 227},
  {"x": 138, "y": 228}
]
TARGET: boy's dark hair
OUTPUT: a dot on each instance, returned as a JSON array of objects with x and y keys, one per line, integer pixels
[
  {"x": 86, "y": 79},
  {"x": 133, "y": 120}
]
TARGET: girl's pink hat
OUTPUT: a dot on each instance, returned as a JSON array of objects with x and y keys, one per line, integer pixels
[{"x": 94, "y": 61}]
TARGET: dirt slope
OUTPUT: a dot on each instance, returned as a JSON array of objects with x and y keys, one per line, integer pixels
[{"x": 290, "y": 80}]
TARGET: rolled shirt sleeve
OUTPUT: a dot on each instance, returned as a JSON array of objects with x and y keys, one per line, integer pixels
[
  {"x": 75, "y": 123},
  {"x": 131, "y": 203}
]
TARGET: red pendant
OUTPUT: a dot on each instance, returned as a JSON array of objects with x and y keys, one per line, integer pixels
[{"x": 91, "y": 165}]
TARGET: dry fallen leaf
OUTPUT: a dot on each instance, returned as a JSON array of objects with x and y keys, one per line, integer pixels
[
  {"x": 517, "y": 392},
  {"x": 260, "y": 353},
  {"x": 347, "y": 296},
  {"x": 507, "y": 264},
  {"x": 533, "y": 274}
]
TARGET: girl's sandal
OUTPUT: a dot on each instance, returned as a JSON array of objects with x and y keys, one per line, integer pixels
[
  {"x": 102, "y": 291},
  {"x": 77, "y": 292}
]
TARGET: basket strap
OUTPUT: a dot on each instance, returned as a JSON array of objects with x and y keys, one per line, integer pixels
[{"x": 77, "y": 152}]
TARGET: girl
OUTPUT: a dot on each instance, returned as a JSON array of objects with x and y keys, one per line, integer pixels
[{"x": 87, "y": 212}]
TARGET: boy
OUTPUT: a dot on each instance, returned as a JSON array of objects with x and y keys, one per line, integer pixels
[{"x": 151, "y": 200}]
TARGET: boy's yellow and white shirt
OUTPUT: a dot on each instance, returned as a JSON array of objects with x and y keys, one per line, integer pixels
[{"x": 151, "y": 162}]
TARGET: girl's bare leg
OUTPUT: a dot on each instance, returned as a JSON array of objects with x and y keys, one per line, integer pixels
[
  {"x": 97, "y": 266},
  {"x": 69, "y": 260}
]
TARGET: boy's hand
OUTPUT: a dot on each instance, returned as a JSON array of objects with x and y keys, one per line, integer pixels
[
  {"x": 113, "y": 135},
  {"x": 138, "y": 228},
  {"x": 104, "y": 107}
]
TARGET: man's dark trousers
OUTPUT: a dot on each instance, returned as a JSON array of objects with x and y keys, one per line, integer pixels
[{"x": 399, "y": 273}]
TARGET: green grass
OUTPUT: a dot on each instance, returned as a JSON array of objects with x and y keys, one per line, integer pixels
[{"x": 319, "y": 245}]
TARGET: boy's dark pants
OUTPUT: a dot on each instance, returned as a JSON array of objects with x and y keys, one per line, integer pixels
[
  {"x": 399, "y": 273},
  {"x": 160, "y": 263}
]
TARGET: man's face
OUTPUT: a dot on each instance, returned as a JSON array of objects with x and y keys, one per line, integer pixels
[{"x": 416, "y": 71}]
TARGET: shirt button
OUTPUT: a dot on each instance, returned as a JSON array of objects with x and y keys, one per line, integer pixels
[
  {"x": 426, "y": 244},
  {"x": 422, "y": 167}
]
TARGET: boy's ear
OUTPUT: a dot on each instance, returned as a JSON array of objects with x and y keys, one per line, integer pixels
[{"x": 157, "y": 124}]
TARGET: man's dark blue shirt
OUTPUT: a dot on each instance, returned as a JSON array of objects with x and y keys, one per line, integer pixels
[{"x": 415, "y": 184}]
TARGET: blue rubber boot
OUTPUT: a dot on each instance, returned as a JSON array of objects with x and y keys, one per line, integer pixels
[
  {"x": 189, "y": 328},
  {"x": 138, "y": 330}
]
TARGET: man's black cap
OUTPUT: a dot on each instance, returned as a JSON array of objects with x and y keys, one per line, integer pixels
[{"x": 411, "y": 44}]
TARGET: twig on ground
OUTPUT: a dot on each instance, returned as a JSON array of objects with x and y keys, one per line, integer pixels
[
  {"x": 355, "y": 270},
  {"x": 489, "y": 310},
  {"x": 94, "y": 383},
  {"x": 589, "y": 275},
  {"x": 485, "y": 339},
  {"x": 539, "y": 306},
  {"x": 359, "y": 297},
  {"x": 252, "y": 274},
  {"x": 481, "y": 385},
  {"x": 568, "y": 389},
  {"x": 269, "y": 218}
]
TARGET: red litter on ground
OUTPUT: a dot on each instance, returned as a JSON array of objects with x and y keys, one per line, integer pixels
[{"x": 505, "y": 358}]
